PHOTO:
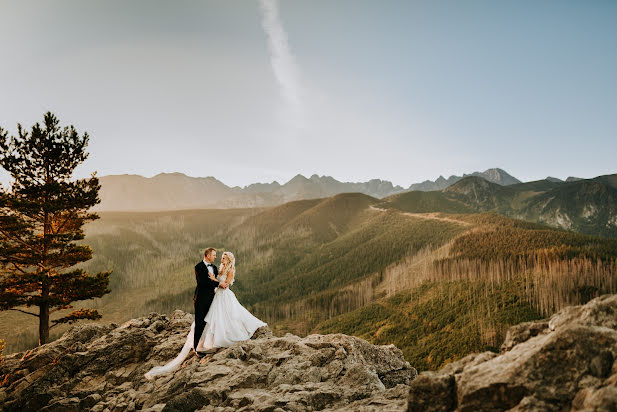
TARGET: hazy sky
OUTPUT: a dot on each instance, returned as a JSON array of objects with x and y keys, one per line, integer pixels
[{"x": 252, "y": 91}]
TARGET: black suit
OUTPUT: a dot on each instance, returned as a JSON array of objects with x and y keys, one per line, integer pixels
[{"x": 202, "y": 299}]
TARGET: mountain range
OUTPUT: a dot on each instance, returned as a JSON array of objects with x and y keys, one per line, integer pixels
[
  {"x": 582, "y": 205},
  {"x": 495, "y": 175},
  {"x": 176, "y": 191}
]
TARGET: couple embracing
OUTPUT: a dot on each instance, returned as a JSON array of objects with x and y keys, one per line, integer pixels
[{"x": 220, "y": 320}]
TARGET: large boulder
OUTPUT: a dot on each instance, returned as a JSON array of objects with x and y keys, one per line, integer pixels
[
  {"x": 101, "y": 368},
  {"x": 567, "y": 362}
]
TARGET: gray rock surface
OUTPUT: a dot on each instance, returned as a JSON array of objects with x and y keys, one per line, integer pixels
[
  {"x": 565, "y": 363},
  {"x": 99, "y": 367}
]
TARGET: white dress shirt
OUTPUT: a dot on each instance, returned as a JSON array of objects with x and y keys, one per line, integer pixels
[{"x": 210, "y": 270}]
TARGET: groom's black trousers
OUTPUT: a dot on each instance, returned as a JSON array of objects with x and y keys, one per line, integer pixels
[
  {"x": 202, "y": 305},
  {"x": 202, "y": 299}
]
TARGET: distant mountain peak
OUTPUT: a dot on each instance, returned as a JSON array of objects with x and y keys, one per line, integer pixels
[
  {"x": 323, "y": 179},
  {"x": 298, "y": 178},
  {"x": 494, "y": 175},
  {"x": 179, "y": 174},
  {"x": 499, "y": 176}
]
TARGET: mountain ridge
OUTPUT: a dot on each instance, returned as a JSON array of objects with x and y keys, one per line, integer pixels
[
  {"x": 494, "y": 175},
  {"x": 177, "y": 191},
  {"x": 586, "y": 206}
]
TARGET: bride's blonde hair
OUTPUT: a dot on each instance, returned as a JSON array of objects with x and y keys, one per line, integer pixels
[{"x": 230, "y": 266}]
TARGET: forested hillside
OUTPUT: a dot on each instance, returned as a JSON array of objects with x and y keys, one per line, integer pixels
[
  {"x": 438, "y": 285},
  {"x": 498, "y": 273}
]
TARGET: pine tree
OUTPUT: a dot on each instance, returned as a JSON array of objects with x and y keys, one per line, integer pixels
[{"x": 41, "y": 219}]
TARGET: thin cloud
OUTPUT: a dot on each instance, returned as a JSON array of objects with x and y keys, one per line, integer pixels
[{"x": 281, "y": 58}]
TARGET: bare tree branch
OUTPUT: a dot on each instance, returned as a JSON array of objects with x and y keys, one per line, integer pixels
[{"x": 24, "y": 311}]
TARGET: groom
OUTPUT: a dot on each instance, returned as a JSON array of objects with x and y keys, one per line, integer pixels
[{"x": 205, "y": 274}]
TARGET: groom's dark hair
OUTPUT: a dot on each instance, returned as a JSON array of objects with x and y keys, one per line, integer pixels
[{"x": 208, "y": 250}]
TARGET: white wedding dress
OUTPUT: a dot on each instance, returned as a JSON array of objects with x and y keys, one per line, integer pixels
[{"x": 227, "y": 322}]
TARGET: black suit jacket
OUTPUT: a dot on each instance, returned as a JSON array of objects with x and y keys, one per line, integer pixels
[{"x": 205, "y": 285}]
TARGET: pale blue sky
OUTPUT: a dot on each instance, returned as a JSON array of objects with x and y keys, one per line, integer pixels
[{"x": 398, "y": 90}]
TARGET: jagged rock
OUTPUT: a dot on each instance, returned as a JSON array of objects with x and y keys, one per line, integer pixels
[
  {"x": 564, "y": 363},
  {"x": 522, "y": 332},
  {"x": 101, "y": 368}
]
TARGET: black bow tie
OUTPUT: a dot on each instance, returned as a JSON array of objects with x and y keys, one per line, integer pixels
[{"x": 209, "y": 264}]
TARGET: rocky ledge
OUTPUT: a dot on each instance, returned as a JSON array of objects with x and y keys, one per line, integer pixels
[
  {"x": 100, "y": 367},
  {"x": 565, "y": 363}
]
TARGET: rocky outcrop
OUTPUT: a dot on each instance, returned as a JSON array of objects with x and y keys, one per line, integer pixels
[
  {"x": 100, "y": 367},
  {"x": 565, "y": 363}
]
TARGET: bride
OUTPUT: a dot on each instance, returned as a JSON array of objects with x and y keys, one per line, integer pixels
[{"x": 227, "y": 321}]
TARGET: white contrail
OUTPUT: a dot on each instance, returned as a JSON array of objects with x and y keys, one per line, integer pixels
[{"x": 283, "y": 63}]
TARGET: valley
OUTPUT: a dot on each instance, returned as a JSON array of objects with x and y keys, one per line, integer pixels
[{"x": 406, "y": 269}]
